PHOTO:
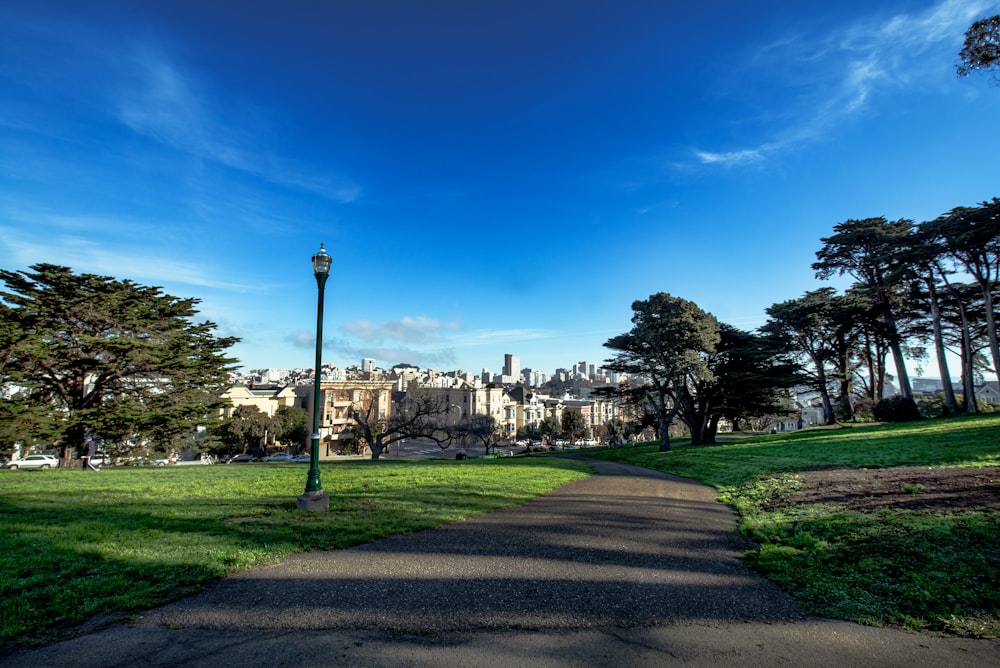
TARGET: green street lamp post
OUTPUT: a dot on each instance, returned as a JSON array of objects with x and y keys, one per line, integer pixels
[{"x": 314, "y": 498}]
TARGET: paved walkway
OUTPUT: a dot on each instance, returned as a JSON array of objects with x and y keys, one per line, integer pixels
[{"x": 629, "y": 567}]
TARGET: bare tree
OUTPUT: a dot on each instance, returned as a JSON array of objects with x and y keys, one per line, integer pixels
[
  {"x": 416, "y": 416},
  {"x": 483, "y": 429}
]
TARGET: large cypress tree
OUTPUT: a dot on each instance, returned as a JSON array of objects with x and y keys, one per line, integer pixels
[
  {"x": 666, "y": 348},
  {"x": 971, "y": 235},
  {"x": 872, "y": 251},
  {"x": 108, "y": 356}
]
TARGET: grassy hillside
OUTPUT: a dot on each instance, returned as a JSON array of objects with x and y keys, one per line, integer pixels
[
  {"x": 82, "y": 545},
  {"x": 854, "y": 538}
]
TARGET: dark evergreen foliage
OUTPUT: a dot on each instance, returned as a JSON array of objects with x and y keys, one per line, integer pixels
[
  {"x": 981, "y": 50},
  {"x": 94, "y": 354},
  {"x": 897, "y": 409},
  {"x": 689, "y": 366}
]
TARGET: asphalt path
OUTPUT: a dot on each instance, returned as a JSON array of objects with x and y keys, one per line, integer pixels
[{"x": 629, "y": 567}]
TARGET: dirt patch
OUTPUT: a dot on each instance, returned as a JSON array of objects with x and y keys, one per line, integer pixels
[{"x": 907, "y": 487}]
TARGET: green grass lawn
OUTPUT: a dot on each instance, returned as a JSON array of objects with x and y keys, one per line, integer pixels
[
  {"x": 934, "y": 570},
  {"x": 83, "y": 546}
]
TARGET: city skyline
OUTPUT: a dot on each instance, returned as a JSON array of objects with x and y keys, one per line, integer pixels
[
  {"x": 487, "y": 176},
  {"x": 589, "y": 368}
]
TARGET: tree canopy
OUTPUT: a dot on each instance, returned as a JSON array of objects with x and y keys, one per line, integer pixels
[
  {"x": 821, "y": 328},
  {"x": 573, "y": 424},
  {"x": 245, "y": 430},
  {"x": 667, "y": 345},
  {"x": 94, "y": 354},
  {"x": 971, "y": 235},
  {"x": 292, "y": 424},
  {"x": 869, "y": 251},
  {"x": 981, "y": 50},
  {"x": 687, "y": 365}
]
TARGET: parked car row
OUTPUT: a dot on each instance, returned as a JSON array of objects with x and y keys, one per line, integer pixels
[
  {"x": 97, "y": 461},
  {"x": 278, "y": 457},
  {"x": 579, "y": 443},
  {"x": 51, "y": 462}
]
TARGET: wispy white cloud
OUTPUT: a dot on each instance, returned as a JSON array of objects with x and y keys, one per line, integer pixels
[
  {"x": 426, "y": 341},
  {"x": 829, "y": 78},
  {"x": 302, "y": 339},
  {"x": 731, "y": 158},
  {"x": 493, "y": 336},
  {"x": 396, "y": 355},
  {"x": 383, "y": 355},
  {"x": 420, "y": 330},
  {"x": 160, "y": 100},
  {"x": 70, "y": 241},
  {"x": 153, "y": 93},
  {"x": 945, "y": 21}
]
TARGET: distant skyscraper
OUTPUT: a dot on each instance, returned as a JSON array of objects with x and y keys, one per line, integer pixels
[
  {"x": 511, "y": 366},
  {"x": 368, "y": 364}
]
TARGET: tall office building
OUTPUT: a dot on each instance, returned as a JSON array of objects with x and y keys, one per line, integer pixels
[
  {"x": 368, "y": 364},
  {"x": 511, "y": 366}
]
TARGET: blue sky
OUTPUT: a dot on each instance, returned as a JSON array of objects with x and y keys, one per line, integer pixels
[{"x": 489, "y": 177}]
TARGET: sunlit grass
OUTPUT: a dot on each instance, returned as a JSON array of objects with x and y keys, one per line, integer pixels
[
  {"x": 919, "y": 569},
  {"x": 933, "y": 570},
  {"x": 78, "y": 544},
  {"x": 954, "y": 442}
]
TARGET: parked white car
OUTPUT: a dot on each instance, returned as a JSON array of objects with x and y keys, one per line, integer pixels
[
  {"x": 34, "y": 462},
  {"x": 278, "y": 457},
  {"x": 302, "y": 458}
]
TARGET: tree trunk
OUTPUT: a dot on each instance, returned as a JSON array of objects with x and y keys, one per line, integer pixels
[
  {"x": 896, "y": 347},
  {"x": 968, "y": 387},
  {"x": 705, "y": 435},
  {"x": 824, "y": 393},
  {"x": 665, "y": 418},
  {"x": 991, "y": 327},
  {"x": 711, "y": 430},
  {"x": 902, "y": 375},
  {"x": 950, "y": 405},
  {"x": 845, "y": 380},
  {"x": 874, "y": 374},
  {"x": 880, "y": 371},
  {"x": 844, "y": 398}
]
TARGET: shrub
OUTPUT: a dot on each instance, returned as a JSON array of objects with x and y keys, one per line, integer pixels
[
  {"x": 931, "y": 407},
  {"x": 897, "y": 409},
  {"x": 864, "y": 409}
]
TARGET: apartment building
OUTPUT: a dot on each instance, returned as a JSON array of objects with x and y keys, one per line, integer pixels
[
  {"x": 266, "y": 398},
  {"x": 336, "y": 399},
  {"x": 467, "y": 400}
]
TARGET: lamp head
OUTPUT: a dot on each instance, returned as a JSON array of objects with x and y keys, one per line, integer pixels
[{"x": 321, "y": 262}]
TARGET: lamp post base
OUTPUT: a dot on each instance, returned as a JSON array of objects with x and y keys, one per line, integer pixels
[{"x": 314, "y": 502}]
